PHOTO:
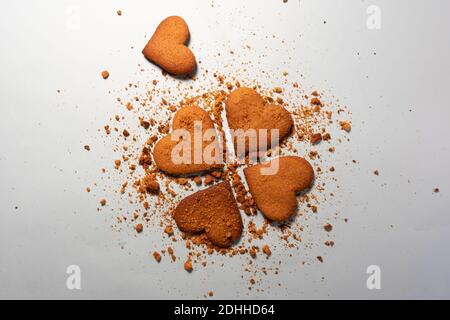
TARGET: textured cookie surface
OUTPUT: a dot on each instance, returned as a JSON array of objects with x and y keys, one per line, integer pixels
[
  {"x": 213, "y": 211},
  {"x": 275, "y": 194},
  {"x": 246, "y": 109},
  {"x": 167, "y": 47},
  {"x": 163, "y": 156}
]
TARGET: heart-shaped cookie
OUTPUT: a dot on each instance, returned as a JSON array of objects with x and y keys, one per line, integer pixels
[
  {"x": 247, "y": 111},
  {"x": 203, "y": 156},
  {"x": 167, "y": 47},
  {"x": 213, "y": 211},
  {"x": 274, "y": 185}
]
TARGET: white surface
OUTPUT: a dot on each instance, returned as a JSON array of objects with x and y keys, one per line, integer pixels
[{"x": 400, "y": 104}]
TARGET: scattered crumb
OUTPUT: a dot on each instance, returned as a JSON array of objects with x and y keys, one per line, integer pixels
[
  {"x": 326, "y": 136},
  {"x": 278, "y": 90},
  {"x": 316, "y": 101},
  {"x": 266, "y": 250},
  {"x": 169, "y": 230},
  {"x": 188, "y": 266},
  {"x": 139, "y": 227},
  {"x": 105, "y": 74},
  {"x": 345, "y": 125},
  {"x": 157, "y": 256},
  {"x": 149, "y": 185},
  {"x": 315, "y": 138},
  {"x": 329, "y": 243}
]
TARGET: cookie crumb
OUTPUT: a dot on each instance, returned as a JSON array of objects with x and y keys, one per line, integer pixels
[
  {"x": 376, "y": 172},
  {"x": 150, "y": 185},
  {"x": 87, "y": 147},
  {"x": 278, "y": 90},
  {"x": 157, "y": 256},
  {"x": 328, "y": 227},
  {"x": 105, "y": 74},
  {"x": 316, "y": 102},
  {"x": 139, "y": 227},
  {"x": 345, "y": 125},
  {"x": 188, "y": 266},
  {"x": 169, "y": 230},
  {"x": 119, "y": 12},
  {"x": 266, "y": 250},
  {"x": 320, "y": 258},
  {"x": 315, "y": 138},
  {"x": 329, "y": 243},
  {"x": 436, "y": 190},
  {"x": 144, "y": 123}
]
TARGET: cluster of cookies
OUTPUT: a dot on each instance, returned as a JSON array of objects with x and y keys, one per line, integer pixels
[{"x": 214, "y": 211}]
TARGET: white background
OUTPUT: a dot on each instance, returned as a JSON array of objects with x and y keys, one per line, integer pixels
[{"x": 396, "y": 87}]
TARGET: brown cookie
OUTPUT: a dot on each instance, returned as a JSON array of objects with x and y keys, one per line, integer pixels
[
  {"x": 246, "y": 109},
  {"x": 167, "y": 47},
  {"x": 275, "y": 194},
  {"x": 163, "y": 153},
  {"x": 213, "y": 211}
]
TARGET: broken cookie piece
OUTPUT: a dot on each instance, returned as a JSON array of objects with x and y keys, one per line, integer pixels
[
  {"x": 181, "y": 152},
  {"x": 213, "y": 211},
  {"x": 274, "y": 185},
  {"x": 248, "y": 115}
]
